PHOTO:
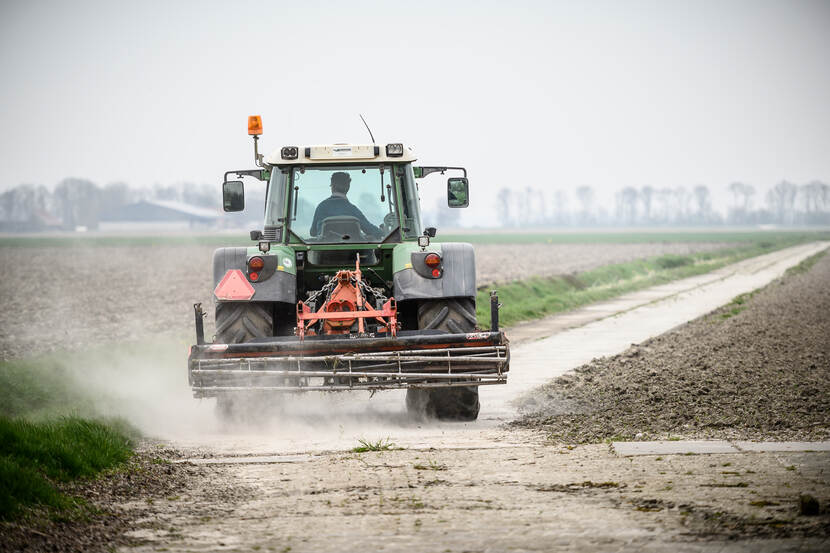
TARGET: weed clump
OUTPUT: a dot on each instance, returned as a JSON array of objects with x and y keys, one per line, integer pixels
[
  {"x": 670, "y": 261},
  {"x": 383, "y": 444}
]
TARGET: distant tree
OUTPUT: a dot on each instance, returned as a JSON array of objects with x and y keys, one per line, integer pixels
[
  {"x": 166, "y": 193},
  {"x": 627, "y": 205},
  {"x": 77, "y": 202},
  {"x": 825, "y": 196},
  {"x": 446, "y": 217},
  {"x": 682, "y": 198},
  {"x": 811, "y": 197},
  {"x": 781, "y": 201},
  {"x": 525, "y": 212},
  {"x": 560, "y": 207},
  {"x": 585, "y": 195},
  {"x": 703, "y": 203},
  {"x": 504, "y": 206},
  {"x": 204, "y": 195},
  {"x": 540, "y": 207},
  {"x": 741, "y": 200},
  {"x": 114, "y": 195},
  {"x": 22, "y": 204},
  {"x": 646, "y": 197},
  {"x": 663, "y": 199}
]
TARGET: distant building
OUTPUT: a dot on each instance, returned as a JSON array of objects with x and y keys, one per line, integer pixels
[
  {"x": 36, "y": 221},
  {"x": 159, "y": 215}
]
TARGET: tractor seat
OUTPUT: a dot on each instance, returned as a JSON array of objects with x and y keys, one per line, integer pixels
[{"x": 341, "y": 227}]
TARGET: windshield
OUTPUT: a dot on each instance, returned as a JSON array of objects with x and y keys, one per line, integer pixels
[{"x": 343, "y": 204}]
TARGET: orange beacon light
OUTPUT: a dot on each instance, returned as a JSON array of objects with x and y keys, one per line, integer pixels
[{"x": 254, "y": 125}]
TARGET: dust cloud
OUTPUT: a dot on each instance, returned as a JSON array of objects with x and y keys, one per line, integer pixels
[{"x": 146, "y": 384}]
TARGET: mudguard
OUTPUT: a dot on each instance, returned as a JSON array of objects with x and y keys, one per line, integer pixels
[
  {"x": 281, "y": 286},
  {"x": 458, "y": 278}
]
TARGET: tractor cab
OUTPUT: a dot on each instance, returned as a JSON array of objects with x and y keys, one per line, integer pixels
[{"x": 344, "y": 278}]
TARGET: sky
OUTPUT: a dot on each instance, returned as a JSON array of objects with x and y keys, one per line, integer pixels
[{"x": 542, "y": 94}]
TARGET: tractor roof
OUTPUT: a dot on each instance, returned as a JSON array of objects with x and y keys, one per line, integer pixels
[{"x": 340, "y": 153}]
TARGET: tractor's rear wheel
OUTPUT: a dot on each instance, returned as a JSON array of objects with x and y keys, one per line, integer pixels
[
  {"x": 450, "y": 315},
  {"x": 459, "y": 403},
  {"x": 242, "y": 322}
]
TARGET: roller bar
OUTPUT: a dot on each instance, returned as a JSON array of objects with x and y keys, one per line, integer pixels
[{"x": 361, "y": 362}]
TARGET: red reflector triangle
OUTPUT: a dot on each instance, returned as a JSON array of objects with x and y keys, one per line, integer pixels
[{"x": 234, "y": 286}]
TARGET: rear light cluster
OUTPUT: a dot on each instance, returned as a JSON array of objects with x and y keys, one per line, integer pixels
[
  {"x": 433, "y": 261},
  {"x": 255, "y": 265}
]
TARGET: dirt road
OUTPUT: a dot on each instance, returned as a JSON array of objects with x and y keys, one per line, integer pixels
[{"x": 292, "y": 484}]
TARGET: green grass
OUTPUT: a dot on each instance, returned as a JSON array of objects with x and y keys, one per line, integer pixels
[
  {"x": 383, "y": 444},
  {"x": 806, "y": 265},
  {"x": 34, "y": 456},
  {"x": 43, "y": 441},
  {"x": 538, "y": 297}
]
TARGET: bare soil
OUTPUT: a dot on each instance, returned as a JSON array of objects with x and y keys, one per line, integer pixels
[
  {"x": 58, "y": 299},
  {"x": 531, "y": 497},
  {"x": 757, "y": 368}
]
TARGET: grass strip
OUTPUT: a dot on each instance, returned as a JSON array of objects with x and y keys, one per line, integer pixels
[
  {"x": 43, "y": 441},
  {"x": 538, "y": 297},
  {"x": 805, "y": 265},
  {"x": 34, "y": 456}
]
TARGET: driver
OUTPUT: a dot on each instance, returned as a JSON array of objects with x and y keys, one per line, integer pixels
[{"x": 338, "y": 205}]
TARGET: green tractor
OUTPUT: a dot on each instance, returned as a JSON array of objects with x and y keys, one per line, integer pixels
[{"x": 344, "y": 290}]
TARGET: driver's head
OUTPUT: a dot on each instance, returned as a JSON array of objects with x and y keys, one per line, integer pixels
[{"x": 340, "y": 182}]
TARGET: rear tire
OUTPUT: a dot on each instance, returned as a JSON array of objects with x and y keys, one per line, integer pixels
[
  {"x": 456, "y": 315},
  {"x": 451, "y": 404},
  {"x": 242, "y": 322}
]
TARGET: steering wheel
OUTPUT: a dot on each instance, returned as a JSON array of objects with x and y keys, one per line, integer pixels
[{"x": 388, "y": 223}]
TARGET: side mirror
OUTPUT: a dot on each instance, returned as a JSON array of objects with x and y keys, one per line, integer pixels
[
  {"x": 430, "y": 231},
  {"x": 458, "y": 192},
  {"x": 256, "y": 235},
  {"x": 233, "y": 195}
]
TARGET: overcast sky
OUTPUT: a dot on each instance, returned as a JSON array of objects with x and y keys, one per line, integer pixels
[{"x": 546, "y": 94}]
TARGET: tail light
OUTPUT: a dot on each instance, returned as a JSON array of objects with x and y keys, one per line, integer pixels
[
  {"x": 255, "y": 265},
  {"x": 432, "y": 260}
]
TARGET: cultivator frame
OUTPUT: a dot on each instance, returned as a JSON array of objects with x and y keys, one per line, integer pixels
[{"x": 415, "y": 359}]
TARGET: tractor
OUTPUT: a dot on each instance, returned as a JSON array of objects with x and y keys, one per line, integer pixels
[{"x": 343, "y": 289}]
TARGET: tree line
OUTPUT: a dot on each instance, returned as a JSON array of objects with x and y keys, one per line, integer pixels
[
  {"x": 785, "y": 203},
  {"x": 75, "y": 202}
]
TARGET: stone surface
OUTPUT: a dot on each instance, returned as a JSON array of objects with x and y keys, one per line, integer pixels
[
  {"x": 782, "y": 446},
  {"x": 627, "y": 449}
]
